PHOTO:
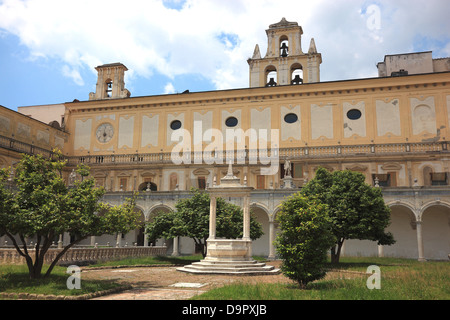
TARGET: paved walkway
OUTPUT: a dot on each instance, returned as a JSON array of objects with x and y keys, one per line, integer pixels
[
  {"x": 166, "y": 283},
  {"x": 153, "y": 294}
]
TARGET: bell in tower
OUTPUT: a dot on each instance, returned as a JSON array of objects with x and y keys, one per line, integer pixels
[
  {"x": 297, "y": 80},
  {"x": 284, "y": 50}
]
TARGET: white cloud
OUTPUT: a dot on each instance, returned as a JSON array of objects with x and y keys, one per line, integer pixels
[
  {"x": 73, "y": 74},
  {"x": 214, "y": 38},
  {"x": 169, "y": 88}
]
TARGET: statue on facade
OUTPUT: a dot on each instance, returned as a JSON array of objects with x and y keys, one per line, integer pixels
[
  {"x": 72, "y": 177},
  {"x": 287, "y": 168}
]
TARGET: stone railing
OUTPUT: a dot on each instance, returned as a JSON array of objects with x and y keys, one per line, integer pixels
[
  {"x": 241, "y": 156},
  {"x": 80, "y": 256},
  {"x": 253, "y": 156}
]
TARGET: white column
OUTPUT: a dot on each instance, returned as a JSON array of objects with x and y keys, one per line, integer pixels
[
  {"x": 119, "y": 238},
  {"x": 380, "y": 251},
  {"x": 212, "y": 218},
  {"x": 420, "y": 240},
  {"x": 271, "y": 240},
  {"x": 246, "y": 209},
  {"x": 66, "y": 239},
  {"x": 60, "y": 241},
  {"x": 92, "y": 240},
  {"x": 175, "y": 252}
]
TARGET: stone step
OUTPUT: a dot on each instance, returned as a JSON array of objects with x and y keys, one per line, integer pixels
[
  {"x": 249, "y": 267},
  {"x": 234, "y": 265},
  {"x": 256, "y": 271},
  {"x": 228, "y": 268}
]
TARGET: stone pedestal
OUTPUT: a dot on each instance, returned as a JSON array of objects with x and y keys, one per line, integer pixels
[
  {"x": 229, "y": 256},
  {"x": 288, "y": 183},
  {"x": 226, "y": 256}
]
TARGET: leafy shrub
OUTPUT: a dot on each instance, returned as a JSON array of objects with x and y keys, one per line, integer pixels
[{"x": 304, "y": 239}]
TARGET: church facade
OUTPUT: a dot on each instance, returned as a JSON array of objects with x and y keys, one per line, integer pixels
[{"x": 394, "y": 129}]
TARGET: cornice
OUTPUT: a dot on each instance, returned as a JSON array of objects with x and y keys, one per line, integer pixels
[{"x": 331, "y": 89}]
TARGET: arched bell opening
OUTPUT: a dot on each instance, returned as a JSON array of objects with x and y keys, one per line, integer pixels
[
  {"x": 109, "y": 86},
  {"x": 297, "y": 74},
  {"x": 271, "y": 76},
  {"x": 284, "y": 47}
]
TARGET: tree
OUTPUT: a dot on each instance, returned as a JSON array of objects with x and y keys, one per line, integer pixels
[
  {"x": 304, "y": 239},
  {"x": 43, "y": 207},
  {"x": 357, "y": 210},
  {"x": 191, "y": 219}
]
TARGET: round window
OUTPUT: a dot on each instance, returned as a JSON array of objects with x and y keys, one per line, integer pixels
[
  {"x": 290, "y": 118},
  {"x": 354, "y": 114},
  {"x": 175, "y": 125},
  {"x": 231, "y": 122}
]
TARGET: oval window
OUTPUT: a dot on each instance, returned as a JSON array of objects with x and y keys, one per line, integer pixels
[
  {"x": 354, "y": 114},
  {"x": 231, "y": 122},
  {"x": 175, "y": 125},
  {"x": 290, "y": 118}
]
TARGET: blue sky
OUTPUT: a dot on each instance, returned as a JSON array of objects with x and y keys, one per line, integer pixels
[{"x": 49, "y": 48}]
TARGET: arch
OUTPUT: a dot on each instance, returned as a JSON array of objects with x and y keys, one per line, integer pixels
[
  {"x": 271, "y": 76},
  {"x": 435, "y": 221},
  {"x": 148, "y": 185},
  {"x": 399, "y": 203},
  {"x": 403, "y": 228},
  {"x": 152, "y": 212},
  {"x": 108, "y": 87},
  {"x": 260, "y": 246},
  {"x": 434, "y": 203},
  {"x": 260, "y": 206},
  {"x": 296, "y": 73},
  {"x": 276, "y": 211},
  {"x": 54, "y": 124},
  {"x": 157, "y": 208}
]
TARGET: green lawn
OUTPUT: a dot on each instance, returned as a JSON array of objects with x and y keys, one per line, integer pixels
[
  {"x": 400, "y": 280},
  {"x": 15, "y": 279}
]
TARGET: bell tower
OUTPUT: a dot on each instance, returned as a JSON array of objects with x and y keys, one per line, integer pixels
[
  {"x": 284, "y": 63},
  {"x": 110, "y": 82}
]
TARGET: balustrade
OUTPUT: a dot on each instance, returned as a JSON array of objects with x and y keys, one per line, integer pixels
[
  {"x": 11, "y": 256},
  {"x": 241, "y": 156}
]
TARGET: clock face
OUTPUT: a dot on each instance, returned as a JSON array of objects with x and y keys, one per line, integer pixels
[{"x": 105, "y": 132}]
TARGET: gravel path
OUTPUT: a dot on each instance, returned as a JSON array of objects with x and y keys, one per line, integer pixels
[{"x": 166, "y": 283}]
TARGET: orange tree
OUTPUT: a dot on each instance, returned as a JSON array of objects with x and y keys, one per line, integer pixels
[
  {"x": 41, "y": 206},
  {"x": 304, "y": 239},
  {"x": 356, "y": 209}
]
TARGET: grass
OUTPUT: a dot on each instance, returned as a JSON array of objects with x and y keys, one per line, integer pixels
[
  {"x": 15, "y": 279},
  {"x": 400, "y": 280}
]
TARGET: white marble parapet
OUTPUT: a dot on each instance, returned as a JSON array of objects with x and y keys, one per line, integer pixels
[{"x": 74, "y": 256}]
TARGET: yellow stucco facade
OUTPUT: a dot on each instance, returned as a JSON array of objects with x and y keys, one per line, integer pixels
[{"x": 401, "y": 122}]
